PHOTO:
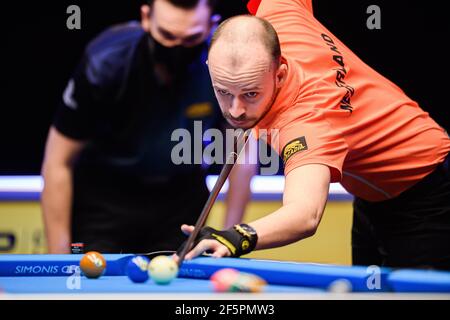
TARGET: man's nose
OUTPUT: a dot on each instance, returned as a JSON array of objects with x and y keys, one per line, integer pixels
[{"x": 237, "y": 108}]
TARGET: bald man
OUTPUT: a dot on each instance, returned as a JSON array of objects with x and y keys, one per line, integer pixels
[{"x": 333, "y": 119}]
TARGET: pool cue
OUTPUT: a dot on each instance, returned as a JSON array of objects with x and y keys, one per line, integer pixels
[
  {"x": 151, "y": 255},
  {"x": 226, "y": 169}
]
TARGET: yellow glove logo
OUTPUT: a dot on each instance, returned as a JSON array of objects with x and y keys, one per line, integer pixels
[
  {"x": 245, "y": 245},
  {"x": 225, "y": 242}
]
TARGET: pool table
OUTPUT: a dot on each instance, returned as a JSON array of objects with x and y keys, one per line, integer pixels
[{"x": 59, "y": 275}]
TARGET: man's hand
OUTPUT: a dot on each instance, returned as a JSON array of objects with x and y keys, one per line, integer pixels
[
  {"x": 236, "y": 241},
  {"x": 211, "y": 246}
]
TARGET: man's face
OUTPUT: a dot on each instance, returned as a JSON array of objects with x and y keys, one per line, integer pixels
[
  {"x": 245, "y": 89},
  {"x": 173, "y": 26}
]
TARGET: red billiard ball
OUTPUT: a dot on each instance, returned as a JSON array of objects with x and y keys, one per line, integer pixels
[{"x": 92, "y": 264}]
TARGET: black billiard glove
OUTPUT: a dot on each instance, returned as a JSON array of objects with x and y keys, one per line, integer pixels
[{"x": 240, "y": 239}]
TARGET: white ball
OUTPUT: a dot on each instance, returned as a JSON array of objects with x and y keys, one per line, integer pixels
[
  {"x": 340, "y": 286},
  {"x": 162, "y": 269}
]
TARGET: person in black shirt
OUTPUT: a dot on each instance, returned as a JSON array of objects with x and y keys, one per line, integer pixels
[{"x": 110, "y": 181}]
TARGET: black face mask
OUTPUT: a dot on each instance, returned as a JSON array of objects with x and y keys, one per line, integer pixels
[{"x": 177, "y": 59}]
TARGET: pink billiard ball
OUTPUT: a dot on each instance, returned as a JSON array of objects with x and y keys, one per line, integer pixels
[{"x": 223, "y": 279}]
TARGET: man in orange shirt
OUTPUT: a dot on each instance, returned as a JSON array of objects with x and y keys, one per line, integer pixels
[{"x": 332, "y": 119}]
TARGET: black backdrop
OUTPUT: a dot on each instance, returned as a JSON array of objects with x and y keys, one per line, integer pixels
[{"x": 39, "y": 53}]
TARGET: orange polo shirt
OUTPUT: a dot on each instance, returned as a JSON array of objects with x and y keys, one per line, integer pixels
[{"x": 337, "y": 111}]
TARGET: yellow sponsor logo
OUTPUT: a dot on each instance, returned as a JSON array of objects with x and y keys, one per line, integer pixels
[
  {"x": 293, "y": 147},
  {"x": 198, "y": 110},
  {"x": 245, "y": 244},
  {"x": 225, "y": 242}
]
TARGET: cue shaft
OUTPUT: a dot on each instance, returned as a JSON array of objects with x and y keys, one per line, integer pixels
[{"x": 224, "y": 173}]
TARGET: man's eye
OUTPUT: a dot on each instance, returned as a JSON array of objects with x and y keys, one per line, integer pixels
[
  {"x": 251, "y": 94},
  {"x": 222, "y": 92}
]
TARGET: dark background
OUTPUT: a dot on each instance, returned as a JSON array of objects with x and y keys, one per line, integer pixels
[{"x": 39, "y": 54}]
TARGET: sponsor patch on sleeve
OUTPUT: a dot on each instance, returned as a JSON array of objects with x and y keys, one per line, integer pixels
[{"x": 293, "y": 147}]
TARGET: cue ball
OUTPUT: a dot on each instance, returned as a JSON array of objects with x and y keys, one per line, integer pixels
[
  {"x": 340, "y": 286},
  {"x": 92, "y": 264},
  {"x": 162, "y": 269},
  {"x": 137, "y": 269}
]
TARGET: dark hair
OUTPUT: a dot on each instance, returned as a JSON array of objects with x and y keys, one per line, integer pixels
[
  {"x": 188, "y": 4},
  {"x": 269, "y": 37}
]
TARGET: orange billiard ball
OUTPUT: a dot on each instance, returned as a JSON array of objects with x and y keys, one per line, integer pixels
[{"x": 92, "y": 264}]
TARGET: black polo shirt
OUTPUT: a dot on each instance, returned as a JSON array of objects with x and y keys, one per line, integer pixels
[{"x": 117, "y": 103}]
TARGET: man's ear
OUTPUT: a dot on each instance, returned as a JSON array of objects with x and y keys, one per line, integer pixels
[
  {"x": 145, "y": 17},
  {"x": 281, "y": 74}
]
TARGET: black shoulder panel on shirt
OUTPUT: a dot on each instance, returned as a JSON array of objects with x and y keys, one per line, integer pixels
[{"x": 110, "y": 54}]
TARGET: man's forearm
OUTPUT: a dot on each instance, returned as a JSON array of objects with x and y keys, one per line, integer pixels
[
  {"x": 239, "y": 193},
  {"x": 304, "y": 199},
  {"x": 296, "y": 219},
  {"x": 288, "y": 224},
  {"x": 56, "y": 205}
]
